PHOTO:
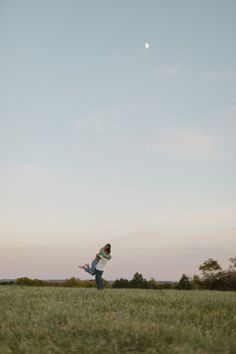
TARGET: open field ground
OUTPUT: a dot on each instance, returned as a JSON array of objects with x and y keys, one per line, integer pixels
[{"x": 68, "y": 320}]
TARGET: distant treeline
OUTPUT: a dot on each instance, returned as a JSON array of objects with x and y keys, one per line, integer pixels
[
  {"x": 70, "y": 283},
  {"x": 137, "y": 282},
  {"x": 211, "y": 277}
]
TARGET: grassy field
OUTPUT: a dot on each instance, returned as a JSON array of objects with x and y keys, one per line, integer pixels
[{"x": 69, "y": 320}]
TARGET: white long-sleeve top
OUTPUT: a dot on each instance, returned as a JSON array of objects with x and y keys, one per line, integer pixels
[{"x": 101, "y": 263}]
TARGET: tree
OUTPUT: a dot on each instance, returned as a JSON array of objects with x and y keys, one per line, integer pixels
[
  {"x": 184, "y": 283},
  {"x": 152, "y": 284},
  {"x": 138, "y": 281},
  {"x": 209, "y": 267},
  {"x": 210, "y": 270},
  {"x": 71, "y": 283},
  {"x": 233, "y": 263},
  {"x": 121, "y": 283},
  {"x": 196, "y": 282},
  {"x": 30, "y": 282}
]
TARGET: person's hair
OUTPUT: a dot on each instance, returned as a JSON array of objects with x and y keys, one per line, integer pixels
[{"x": 107, "y": 248}]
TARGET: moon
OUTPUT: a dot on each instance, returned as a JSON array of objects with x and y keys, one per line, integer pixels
[{"x": 147, "y": 45}]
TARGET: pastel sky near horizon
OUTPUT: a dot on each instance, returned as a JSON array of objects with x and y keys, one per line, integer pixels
[{"x": 105, "y": 140}]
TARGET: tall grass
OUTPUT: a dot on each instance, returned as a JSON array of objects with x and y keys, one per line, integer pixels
[{"x": 75, "y": 320}]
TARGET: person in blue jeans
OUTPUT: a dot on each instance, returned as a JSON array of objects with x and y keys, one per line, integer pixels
[
  {"x": 98, "y": 264},
  {"x": 98, "y": 278}
]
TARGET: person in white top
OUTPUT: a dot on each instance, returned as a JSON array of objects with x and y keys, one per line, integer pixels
[
  {"x": 91, "y": 268},
  {"x": 98, "y": 265},
  {"x": 101, "y": 265}
]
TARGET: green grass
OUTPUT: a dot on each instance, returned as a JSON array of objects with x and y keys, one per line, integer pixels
[{"x": 68, "y": 320}]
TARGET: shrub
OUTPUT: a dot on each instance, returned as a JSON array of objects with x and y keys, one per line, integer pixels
[
  {"x": 30, "y": 282},
  {"x": 184, "y": 283}
]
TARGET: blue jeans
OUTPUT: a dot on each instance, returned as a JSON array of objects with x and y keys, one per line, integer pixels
[
  {"x": 98, "y": 277},
  {"x": 91, "y": 270}
]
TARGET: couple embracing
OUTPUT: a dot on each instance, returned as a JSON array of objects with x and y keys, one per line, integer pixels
[{"x": 98, "y": 264}]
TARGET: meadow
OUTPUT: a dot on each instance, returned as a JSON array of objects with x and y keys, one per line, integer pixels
[{"x": 76, "y": 320}]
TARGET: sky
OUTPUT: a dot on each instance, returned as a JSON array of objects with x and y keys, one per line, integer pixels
[{"x": 105, "y": 140}]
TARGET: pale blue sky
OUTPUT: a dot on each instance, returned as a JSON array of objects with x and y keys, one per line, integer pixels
[{"x": 102, "y": 140}]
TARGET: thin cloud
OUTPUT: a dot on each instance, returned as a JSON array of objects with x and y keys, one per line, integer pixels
[
  {"x": 94, "y": 124},
  {"x": 25, "y": 166},
  {"x": 224, "y": 75},
  {"x": 188, "y": 143},
  {"x": 170, "y": 70},
  {"x": 173, "y": 69},
  {"x": 100, "y": 123},
  {"x": 189, "y": 222},
  {"x": 12, "y": 163},
  {"x": 231, "y": 110},
  {"x": 205, "y": 219}
]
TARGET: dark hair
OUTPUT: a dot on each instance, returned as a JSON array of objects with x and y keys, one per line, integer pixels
[{"x": 107, "y": 248}]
